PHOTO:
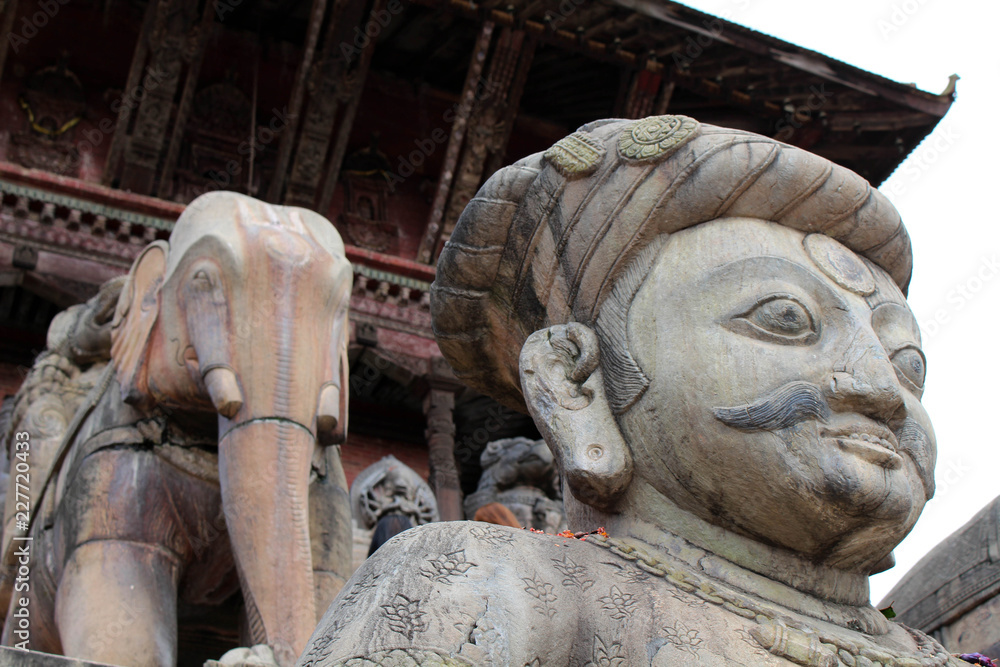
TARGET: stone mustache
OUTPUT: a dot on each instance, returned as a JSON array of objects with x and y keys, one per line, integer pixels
[{"x": 224, "y": 394}]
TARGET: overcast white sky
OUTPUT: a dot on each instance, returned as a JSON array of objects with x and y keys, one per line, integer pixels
[{"x": 942, "y": 192}]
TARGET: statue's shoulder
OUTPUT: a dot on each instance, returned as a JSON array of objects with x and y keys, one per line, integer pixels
[{"x": 468, "y": 591}]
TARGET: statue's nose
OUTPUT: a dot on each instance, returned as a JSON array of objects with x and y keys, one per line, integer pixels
[{"x": 865, "y": 381}]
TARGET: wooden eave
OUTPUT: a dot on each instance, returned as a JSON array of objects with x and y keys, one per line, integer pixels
[{"x": 724, "y": 74}]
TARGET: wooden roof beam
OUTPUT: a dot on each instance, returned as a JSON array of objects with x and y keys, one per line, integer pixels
[
  {"x": 288, "y": 135},
  {"x": 878, "y": 121},
  {"x": 602, "y": 26},
  {"x": 717, "y": 91},
  {"x": 432, "y": 233}
]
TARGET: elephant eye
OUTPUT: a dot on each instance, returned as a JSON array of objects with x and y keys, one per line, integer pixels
[
  {"x": 201, "y": 280},
  {"x": 778, "y": 319}
]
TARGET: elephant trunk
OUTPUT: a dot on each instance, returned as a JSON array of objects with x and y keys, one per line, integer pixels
[{"x": 264, "y": 470}]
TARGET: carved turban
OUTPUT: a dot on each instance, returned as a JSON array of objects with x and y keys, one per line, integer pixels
[{"x": 545, "y": 239}]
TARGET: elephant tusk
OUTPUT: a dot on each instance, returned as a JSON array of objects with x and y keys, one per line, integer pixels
[
  {"x": 328, "y": 415},
  {"x": 224, "y": 389}
]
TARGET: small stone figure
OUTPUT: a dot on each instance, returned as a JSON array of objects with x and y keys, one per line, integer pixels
[
  {"x": 710, "y": 331},
  {"x": 521, "y": 474},
  {"x": 389, "y": 486}
]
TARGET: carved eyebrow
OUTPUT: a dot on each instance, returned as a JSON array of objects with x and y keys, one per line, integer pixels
[
  {"x": 901, "y": 315},
  {"x": 807, "y": 276}
]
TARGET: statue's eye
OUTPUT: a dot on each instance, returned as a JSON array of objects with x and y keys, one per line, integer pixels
[
  {"x": 782, "y": 316},
  {"x": 910, "y": 366},
  {"x": 779, "y": 319}
]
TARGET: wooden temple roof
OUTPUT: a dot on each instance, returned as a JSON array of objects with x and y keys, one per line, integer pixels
[
  {"x": 555, "y": 65},
  {"x": 720, "y": 73}
]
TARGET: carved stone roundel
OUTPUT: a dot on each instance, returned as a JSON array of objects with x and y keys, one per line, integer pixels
[
  {"x": 840, "y": 264},
  {"x": 656, "y": 137}
]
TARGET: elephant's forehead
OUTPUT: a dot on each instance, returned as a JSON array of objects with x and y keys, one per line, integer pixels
[{"x": 237, "y": 220}]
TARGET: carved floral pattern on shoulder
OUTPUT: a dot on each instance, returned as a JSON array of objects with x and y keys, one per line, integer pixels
[
  {"x": 445, "y": 566},
  {"x": 492, "y": 535},
  {"x": 405, "y": 657},
  {"x": 405, "y": 616},
  {"x": 574, "y": 575},
  {"x": 323, "y": 646},
  {"x": 367, "y": 582},
  {"x": 620, "y": 603},
  {"x": 683, "y": 638},
  {"x": 543, "y": 592},
  {"x": 608, "y": 654}
]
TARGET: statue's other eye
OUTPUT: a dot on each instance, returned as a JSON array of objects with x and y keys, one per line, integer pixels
[
  {"x": 778, "y": 319},
  {"x": 910, "y": 366}
]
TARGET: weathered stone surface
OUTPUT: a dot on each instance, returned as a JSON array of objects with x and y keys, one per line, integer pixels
[
  {"x": 172, "y": 433},
  {"x": 709, "y": 329}
]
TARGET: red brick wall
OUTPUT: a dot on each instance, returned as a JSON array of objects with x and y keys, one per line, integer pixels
[{"x": 360, "y": 451}]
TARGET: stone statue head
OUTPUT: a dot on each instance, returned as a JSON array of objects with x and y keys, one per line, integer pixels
[
  {"x": 387, "y": 487},
  {"x": 521, "y": 474},
  {"x": 702, "y": 319}
]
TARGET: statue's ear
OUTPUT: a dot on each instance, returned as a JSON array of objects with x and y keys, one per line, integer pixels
[
  {"x": 564, "y": 391},
  {"x": 138, "y": 308}
]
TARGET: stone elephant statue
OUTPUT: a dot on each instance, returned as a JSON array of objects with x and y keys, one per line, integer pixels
[{"x": 204, "y": 459}]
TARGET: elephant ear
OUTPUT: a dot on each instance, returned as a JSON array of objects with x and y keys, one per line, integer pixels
[{"x": 138, "y": 308}]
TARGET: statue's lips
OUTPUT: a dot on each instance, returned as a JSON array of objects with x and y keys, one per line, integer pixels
[{"x": 872, "y": 442}]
